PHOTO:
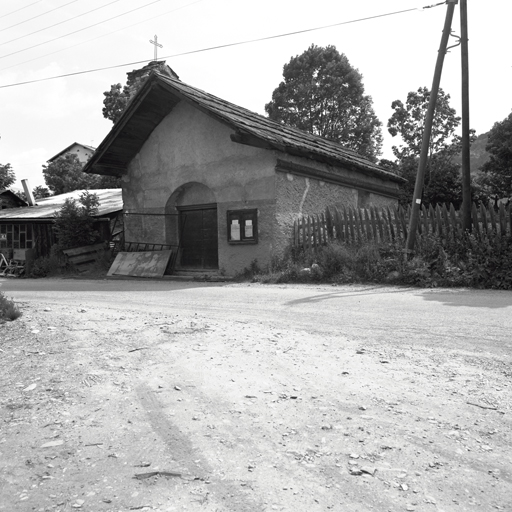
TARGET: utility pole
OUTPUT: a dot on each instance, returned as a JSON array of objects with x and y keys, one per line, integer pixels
[
  {"x": 427, "y": 131},
  {"x": 466, "y": 166}
]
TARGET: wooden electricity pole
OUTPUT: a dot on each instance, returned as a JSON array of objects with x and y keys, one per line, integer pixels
[
  {"x": 427, "y": 131},
  {"x": 466, "y": 169}
]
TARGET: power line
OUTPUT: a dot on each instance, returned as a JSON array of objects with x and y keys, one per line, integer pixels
[
  {"x": 20, "y": 9},
  {"x": 38, "y": 16},
  {"x": 219, "y": 46},
  {"x": 103, "y": 35},
  {"x": 60, "y": 22},
  {"x": 79, "y": 30}
]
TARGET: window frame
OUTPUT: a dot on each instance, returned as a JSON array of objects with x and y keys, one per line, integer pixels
[{"x": 243, "y": 215}]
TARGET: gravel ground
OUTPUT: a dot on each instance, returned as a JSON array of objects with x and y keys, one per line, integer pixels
[{"x": 128, "y": 396}]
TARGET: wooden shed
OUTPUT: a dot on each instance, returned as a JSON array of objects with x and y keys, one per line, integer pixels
[{"x": 31, "y": 227}]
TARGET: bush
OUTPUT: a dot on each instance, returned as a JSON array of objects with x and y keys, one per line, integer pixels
[
  {"x": 46, "y": 266},
  {"x": 464, "y": 261},
  {"x": 74, "y": 222},
  {"x": 8, "y": 310}
]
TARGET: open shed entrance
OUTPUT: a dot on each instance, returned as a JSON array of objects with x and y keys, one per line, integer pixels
[{"x": 199, "y": 237}]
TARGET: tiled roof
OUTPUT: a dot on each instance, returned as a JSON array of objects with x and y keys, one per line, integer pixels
[
  {"x": 110, "y": 199},
  {"x": 278, "y": 135},
  {"x": 160, "y": 94}
]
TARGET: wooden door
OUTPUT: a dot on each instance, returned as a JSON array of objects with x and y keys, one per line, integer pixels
[{"x": 199, "y": 241}]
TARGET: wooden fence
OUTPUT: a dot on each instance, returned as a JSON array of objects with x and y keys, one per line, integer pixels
[{"x": 356, "y": 225}]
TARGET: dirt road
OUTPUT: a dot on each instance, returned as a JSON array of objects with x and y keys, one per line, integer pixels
[{"x": 132, "y": 395}]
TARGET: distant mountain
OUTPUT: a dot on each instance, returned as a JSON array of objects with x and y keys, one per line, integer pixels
[{"x": 478, "y": 154}]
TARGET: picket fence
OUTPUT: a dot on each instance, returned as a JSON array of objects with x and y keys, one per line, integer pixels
[{"x": 356, "y": 225}]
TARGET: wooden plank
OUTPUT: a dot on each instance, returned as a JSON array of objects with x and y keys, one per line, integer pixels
[
  {"x": 454, "y": 222},
  {"x": 401, "y": 221},
  {"x": 314, "y": 228},
  {"x": 84, "y": 249},
  {"x": 296, "y": 233},
  {"x": 502, "y": 220},
  {"x": 509, "y": 216},
  {"x": 492, "y": 216},
  {"x": 485, "y": 226},
  {"x": 308, "y": 231},
  {"x": 338, "y": 225},
  {"x": 380, "y": 224},
  {"x": 446, "y": 221},
  {"x": 140, "y": 264},
  {"x": 324, "y": 228},
  {"x": 329, "y": 223},
  {"x": 351, "y": 226},
  {"x": 390, "y": 224},
  {"x": 475, "y": 222},
  {"x": 358, "y": 225}
]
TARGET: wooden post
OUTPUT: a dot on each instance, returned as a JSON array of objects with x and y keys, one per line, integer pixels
[
  {"x": 427, "y": 130},
  {"x": 466, "y": 170}
]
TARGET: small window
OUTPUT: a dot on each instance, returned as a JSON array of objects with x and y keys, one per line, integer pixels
[{"x": 243, "y": 226}]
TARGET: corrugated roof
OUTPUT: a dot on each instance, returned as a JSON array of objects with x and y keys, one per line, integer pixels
[
  {"x": 110, "y": 199},
  {"x": 132, "y": 130}
]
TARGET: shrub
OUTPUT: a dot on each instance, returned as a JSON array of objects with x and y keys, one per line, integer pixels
[
  {"x": 74, "y": 222},
  {"x": 463, "y": 261},
  {"x": 8, "y": 310}
]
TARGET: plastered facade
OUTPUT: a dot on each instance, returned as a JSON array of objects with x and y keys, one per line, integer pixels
[{"x": 190, "y": 159}]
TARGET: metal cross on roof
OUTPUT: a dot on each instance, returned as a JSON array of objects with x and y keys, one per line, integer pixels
[{"x": 155, "y": 42}]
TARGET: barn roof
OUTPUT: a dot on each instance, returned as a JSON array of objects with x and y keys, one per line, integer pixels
[
  {"x": 110, "y": 201},
  {"x": 15, "y": 197},
  {"x": 160, "y": 94}
]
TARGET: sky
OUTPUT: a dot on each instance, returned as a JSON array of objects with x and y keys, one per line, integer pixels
[{"x": 395, "y": 53}]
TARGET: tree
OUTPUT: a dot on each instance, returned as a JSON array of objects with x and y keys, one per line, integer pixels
[
  {"x": 74, "y": 222},
  {"x": 7, "y": 176},
  {"x": 442, "y": 177},
  {"x": 116, "y": 100},
  {"x": 41, "y": 192},
  {"x": 65, "y": 174},
  {"x": 324, "y": 95},
  {"x": 497, "y": 172}
]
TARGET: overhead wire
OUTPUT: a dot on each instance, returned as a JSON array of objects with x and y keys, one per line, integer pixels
[
  {"x": 103, "y": 35},
  {"x": 39, "y": 15},
  {"x": 79, "y": 30},
  {"x": 239, "y": 43},
  {"x": 60, "y": 22},
  {"x": 20, "y": 9}
]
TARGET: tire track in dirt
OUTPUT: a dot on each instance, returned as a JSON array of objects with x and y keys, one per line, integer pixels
[{"x": 225, "y": 492}]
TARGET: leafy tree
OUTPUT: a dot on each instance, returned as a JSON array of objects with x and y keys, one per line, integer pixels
[
  {"x": 7, "y": 176},
  {"x": 497, "y": 172},
  {"x": 117, "y": 99},
  {"x": 41, "y": 192},
  {"x": 408, "y": 121},
  {"x": 65, "y": 174},
  {"x": 442, "y": 177},
  {"x": 74, "y": 223},
  {"x": 324, "y": 95}
]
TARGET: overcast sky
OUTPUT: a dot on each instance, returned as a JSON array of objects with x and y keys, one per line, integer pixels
[{"x": 395, "y": 54}]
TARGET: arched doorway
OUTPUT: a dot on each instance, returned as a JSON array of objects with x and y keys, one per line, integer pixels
[{"x": 195, "y": 226}]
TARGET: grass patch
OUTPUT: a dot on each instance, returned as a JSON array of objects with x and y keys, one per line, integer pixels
[
  {"x": 463, "y": 262},
  {"x": 8, "y": 309}
]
